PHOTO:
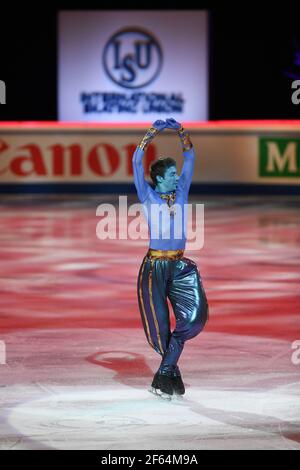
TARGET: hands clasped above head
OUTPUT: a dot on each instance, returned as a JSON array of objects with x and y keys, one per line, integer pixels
[
  {"x": 159, "y": 124},
  {"x": 172, "y": 124},
  {"x": 169, "y": 123}
]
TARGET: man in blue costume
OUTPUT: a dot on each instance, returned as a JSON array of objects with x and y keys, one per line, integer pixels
[{"x": 165, "y": 272}]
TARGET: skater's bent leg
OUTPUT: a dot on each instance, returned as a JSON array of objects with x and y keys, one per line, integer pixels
[{"x": 154, "y": 310}]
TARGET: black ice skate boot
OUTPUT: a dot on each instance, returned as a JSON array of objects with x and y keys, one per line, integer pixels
[
  {"x": 165, "y": 383},
  {"x": 154, "y": 386},
  {"x": 177, "y": 382}
]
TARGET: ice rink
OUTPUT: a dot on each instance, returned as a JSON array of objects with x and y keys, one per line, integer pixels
[{"x": 75, "y": 364}]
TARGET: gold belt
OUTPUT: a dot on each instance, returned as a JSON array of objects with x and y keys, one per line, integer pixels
[{"x": 165, "y": 254}]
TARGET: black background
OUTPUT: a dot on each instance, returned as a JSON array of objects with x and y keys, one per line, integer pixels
[{"x": 250, "y": 50}]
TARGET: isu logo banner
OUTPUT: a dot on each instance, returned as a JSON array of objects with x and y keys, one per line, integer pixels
[
  {"x": 132, "y": 66},
  {"x": 279, "y": 157}
]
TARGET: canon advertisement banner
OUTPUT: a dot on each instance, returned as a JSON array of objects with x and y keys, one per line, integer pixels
[
  {"x": 133, "y": 66},
  {"x": 88, "y": 154}
]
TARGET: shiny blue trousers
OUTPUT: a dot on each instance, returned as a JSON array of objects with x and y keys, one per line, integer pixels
[{"x": 180, "y": 282}]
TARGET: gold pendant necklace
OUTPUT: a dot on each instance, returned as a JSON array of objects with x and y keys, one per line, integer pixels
[{"x": 170, "y": 198}]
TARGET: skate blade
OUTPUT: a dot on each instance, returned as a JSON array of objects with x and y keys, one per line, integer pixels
[
  {"x": 165, "y": 396},
  {"x": 158, "y": 393},
  {"x": 179, "y": 397}
]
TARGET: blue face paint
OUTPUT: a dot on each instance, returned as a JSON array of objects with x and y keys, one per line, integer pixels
[{"x": 169, "y": 181}]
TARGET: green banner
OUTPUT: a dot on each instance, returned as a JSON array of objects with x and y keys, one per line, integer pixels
[{"x": 279, "y": 157}]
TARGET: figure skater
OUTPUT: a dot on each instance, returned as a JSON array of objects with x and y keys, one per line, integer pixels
[{"x": 165, "y": 272}]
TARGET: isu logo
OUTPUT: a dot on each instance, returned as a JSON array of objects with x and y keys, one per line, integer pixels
[
  {"x": 132, "y": 58},
  {"x": 99, "y": 160}
]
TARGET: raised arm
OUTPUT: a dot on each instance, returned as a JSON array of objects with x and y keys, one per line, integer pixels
[
  {"x": 141, "y": 184},
  {"x": 188, "y": 151}
]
